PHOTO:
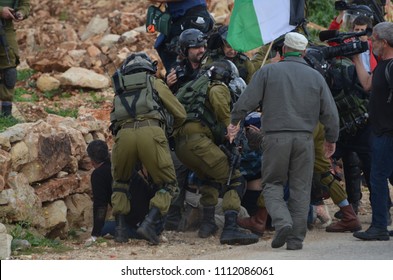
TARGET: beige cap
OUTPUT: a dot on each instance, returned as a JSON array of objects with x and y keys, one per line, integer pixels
[{"x": 296, "y": 41}]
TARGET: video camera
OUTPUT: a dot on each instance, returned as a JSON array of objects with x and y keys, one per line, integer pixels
[{"x": 344, "y": 48}]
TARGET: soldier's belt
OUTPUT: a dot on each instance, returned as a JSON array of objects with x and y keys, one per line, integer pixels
[{"x": 138, "y": 124}]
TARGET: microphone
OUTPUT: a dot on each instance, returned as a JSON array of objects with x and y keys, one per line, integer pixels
[{"x": 330, "y": 34}]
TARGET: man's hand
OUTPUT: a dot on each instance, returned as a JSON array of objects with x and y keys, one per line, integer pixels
[
  {"x": 329, "y": 149},
  {"x": 8, "y": 13},
  {"x": 232, "y": 131},
  {"x": 171, "y": 79}
]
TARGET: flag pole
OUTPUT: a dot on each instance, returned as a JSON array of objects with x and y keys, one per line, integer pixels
[{"x": 267, "y": 53}]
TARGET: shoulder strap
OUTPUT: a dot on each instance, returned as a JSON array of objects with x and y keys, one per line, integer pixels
[{"x": 130, "y": 108}]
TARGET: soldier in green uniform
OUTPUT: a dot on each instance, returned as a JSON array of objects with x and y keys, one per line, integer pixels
[
  {"x": 197, "y": 147},
  {"x": 219, "y": 48},
  {"x": 323, "y": 180},
  {"x": 142, "y": 106},
  {"x": 10, "y": 11}
]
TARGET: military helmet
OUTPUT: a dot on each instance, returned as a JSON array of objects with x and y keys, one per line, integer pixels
[
  {"x": 353, "y": 12},
  {"x": 223, "y": 70},
  {"x": 191, "y": 38},
  {"x": 138, "y": 62},
  {"x": 360, "y": 10},
  {"x": 226, "y": 71},
  {"x": 223, "y": 31}
]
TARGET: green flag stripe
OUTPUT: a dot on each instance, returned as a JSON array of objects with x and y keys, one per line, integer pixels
[{"x": 244, "y": 33}]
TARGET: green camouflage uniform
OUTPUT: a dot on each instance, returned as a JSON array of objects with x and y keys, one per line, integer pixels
[
  {"x": 8, "y": 65},
  {"x": 322, "y": 178},
  {"x": 144, "y": 139},
  {"x": 195, "y": 147}
]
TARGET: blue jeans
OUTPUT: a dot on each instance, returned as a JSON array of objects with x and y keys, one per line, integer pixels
[
  {"x": 381, "y": 170},
  {"x": 109, "y": 228}
]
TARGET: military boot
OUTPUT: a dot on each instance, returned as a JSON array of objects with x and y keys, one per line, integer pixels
[
  {"x": 208, "y": 225},
  {"x": 232, "y": 234},
  {"x": 6, "y": 109},
  {"x": 349, "y": 222},
  {"x": 121, "y": 234},
  {"x": 255, "y": 223},
  {"x": 148, "y": 229}
]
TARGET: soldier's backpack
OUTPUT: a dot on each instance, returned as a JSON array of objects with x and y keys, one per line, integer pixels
[
  {"x": 193, "y": 97},
  {"x": 349, "y": 97},
  {"x": 135, "y": 98}
]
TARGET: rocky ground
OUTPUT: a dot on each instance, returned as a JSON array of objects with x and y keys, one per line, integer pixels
[
  {"x": 174, "y": 245},
  {"x": 178, "y": 245}
]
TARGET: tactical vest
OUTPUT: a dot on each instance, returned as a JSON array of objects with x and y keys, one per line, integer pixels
[
  {"x": 135, "y": 98},
  {"x": 193, "y": 97},
  {"x": 346, "y": 90}
]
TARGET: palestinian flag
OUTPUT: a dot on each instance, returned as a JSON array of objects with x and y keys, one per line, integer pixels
[{"x": 254, "y": 23}]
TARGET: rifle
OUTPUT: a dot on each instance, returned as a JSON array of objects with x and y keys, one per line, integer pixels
[
  {"x": 357, "y": 121},
  {"x": 232, "y": 150}
]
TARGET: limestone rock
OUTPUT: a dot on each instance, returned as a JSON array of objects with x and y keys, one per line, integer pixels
[
  {"x": 47, "y": 83},
  {"x": 80, "y": 77}
]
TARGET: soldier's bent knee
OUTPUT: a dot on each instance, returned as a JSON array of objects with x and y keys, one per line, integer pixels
[{"x": 9, "y": 77}]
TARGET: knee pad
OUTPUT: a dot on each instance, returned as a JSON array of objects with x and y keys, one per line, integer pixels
[{"x": 9, "y": 77}]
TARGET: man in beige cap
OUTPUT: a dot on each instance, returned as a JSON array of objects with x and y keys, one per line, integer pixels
[{"x": 293, "y": 98}]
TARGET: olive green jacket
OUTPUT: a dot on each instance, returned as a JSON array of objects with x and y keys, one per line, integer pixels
[{"x": 10, "y": 35}]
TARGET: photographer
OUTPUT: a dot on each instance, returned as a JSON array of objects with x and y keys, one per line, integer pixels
[
  {"x": 381, "y": 120},
  {"x": 192, "y": 43}
]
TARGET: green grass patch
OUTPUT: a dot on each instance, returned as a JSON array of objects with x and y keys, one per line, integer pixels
[
  {"x": 23, "y": 95},
  {"x": 73, "y": 113},
  {"x": 25, "y": 74},
  {"x": 39, "y": 244},
  {"x": 6, "y": 122},
  {"x": 49, "y": 94},
  {"x": 64, "y": 16},
  {"x": 96, "y": 98}
]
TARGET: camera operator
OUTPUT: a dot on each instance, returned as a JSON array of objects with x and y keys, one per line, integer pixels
[
  {"x": 381, "y": 120},
  {"x": 354, "y": 147},
  {"x": 192, "y": 44},
  {"x": 359, "y": 17}
]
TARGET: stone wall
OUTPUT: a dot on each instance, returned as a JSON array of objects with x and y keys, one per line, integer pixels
[{"x": 45, "y": 173}]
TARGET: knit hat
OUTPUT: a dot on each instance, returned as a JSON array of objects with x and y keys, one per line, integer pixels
[
  {"x": 254, "y": 118},
  {"x": 295, "y": 41}
]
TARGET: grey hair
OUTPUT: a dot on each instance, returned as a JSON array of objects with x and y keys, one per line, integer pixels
[{"x": 384, "y": 31}]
